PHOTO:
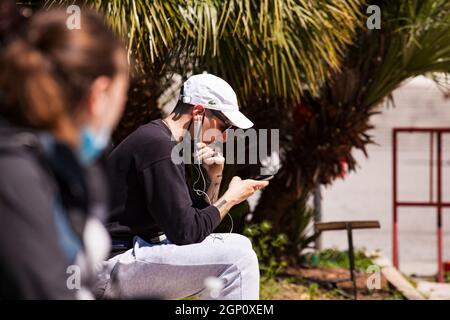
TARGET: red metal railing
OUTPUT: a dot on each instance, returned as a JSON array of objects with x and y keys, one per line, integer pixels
[{"x": 438, "y": 204}]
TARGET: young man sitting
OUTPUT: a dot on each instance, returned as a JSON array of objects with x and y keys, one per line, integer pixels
[{"x": 164, "y": 245}]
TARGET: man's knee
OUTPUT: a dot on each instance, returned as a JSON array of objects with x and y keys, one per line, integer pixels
[
  {"x": 250, "y": 256},
  {"x": 236, "y": 249},
  {"x": 245, "y": 256},
  {"x": 239, "y": 239}
]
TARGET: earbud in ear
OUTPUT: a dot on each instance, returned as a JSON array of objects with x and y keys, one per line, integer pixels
[
  {"x": 200, "y": 108},
  {"x": 198, "y": 111}
]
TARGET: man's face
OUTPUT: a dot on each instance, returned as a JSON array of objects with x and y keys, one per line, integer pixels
[{"x": 214, "y": 127}]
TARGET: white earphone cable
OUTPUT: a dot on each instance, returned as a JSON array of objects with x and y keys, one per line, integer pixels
[{"x": 203, "y": 193}]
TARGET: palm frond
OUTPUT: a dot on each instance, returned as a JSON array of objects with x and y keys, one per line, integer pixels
[{"x": 263, "y": 48}]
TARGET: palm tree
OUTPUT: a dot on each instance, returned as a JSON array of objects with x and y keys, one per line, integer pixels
[{"x": 268, "y": 50}]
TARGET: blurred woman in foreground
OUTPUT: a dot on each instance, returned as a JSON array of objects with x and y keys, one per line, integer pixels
[{"x": 61, "y": 93}]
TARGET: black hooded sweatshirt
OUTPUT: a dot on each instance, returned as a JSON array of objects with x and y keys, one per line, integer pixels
[{"x": 149, "y": 192}]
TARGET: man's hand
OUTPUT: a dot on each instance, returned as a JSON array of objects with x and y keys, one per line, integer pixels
[
  {"x": 212, "y": 161},
  {"x": 238, "y": 191}
]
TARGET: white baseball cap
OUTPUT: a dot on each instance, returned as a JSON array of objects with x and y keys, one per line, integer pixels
[{"x": 216, "y": 94}]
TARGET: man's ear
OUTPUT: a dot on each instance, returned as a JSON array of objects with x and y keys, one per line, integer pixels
[
  {"x": 198, "y": 110},
  {"x": 97, "y": 99}
]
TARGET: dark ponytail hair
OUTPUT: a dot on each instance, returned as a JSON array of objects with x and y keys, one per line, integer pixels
[
  {"x": 10, "y": 20},
  {"x": 47, "y": 72}
]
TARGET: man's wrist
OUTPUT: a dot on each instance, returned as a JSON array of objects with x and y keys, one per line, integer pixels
[
  {"x": 224, "y": 205},
  {"x": 216, "y": 176},
  {"x": 221, "y": 204}
]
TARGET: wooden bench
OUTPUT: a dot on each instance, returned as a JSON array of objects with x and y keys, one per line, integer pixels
[{"x": 349, "y": 226}]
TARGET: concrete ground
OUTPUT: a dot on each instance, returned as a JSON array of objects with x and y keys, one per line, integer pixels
[{"x": 367, "y": 193}]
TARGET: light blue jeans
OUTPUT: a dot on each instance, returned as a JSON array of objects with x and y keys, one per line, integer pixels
[{"x": 169, "y": 271}]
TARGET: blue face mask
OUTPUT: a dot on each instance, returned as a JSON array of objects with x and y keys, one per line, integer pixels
[{"x": 92, "y": 144}]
